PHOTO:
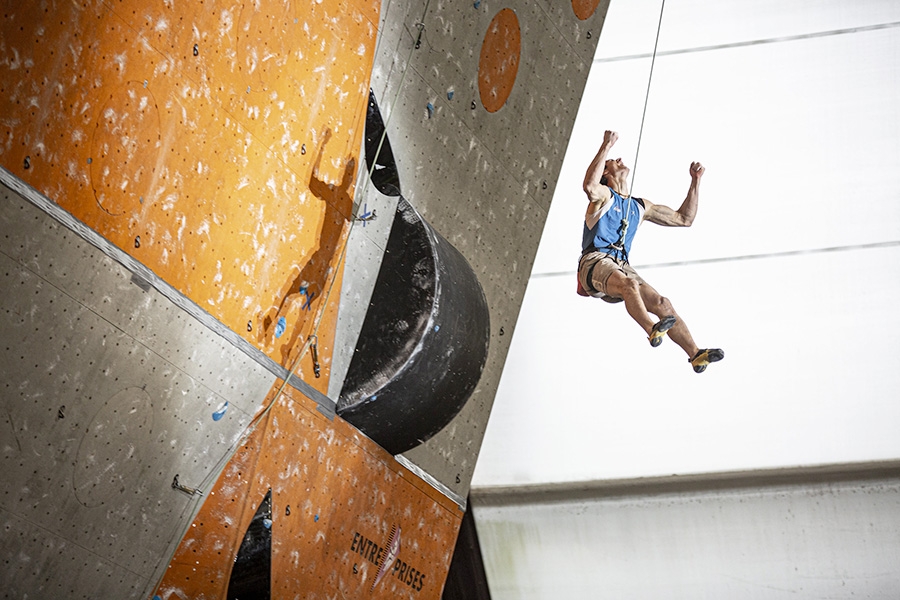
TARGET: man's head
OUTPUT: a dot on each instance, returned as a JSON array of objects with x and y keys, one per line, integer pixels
[{"x": 614, "y": 169}]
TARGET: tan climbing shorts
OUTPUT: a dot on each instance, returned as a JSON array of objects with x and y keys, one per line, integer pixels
[{"x": 594, "y": 270}]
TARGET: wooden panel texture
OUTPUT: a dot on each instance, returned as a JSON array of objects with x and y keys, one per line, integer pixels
[
  {"x": 217, "y": 142},
  {"x": 336, "y": 499}
]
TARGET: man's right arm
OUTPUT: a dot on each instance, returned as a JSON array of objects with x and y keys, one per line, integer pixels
[{"x": 596, "y": 191}]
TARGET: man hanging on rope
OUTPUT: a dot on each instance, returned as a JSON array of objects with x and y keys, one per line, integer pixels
[{"x": 610, "y": 222}]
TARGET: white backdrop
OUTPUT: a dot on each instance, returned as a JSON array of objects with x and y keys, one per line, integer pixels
[{"x": 792, "y": 265}]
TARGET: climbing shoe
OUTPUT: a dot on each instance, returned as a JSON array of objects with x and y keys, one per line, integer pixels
[
  {"x": 704, "y": 357},
  {"x": 659, "y": 330}
]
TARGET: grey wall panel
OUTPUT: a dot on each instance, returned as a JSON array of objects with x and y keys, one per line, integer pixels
[
  {"x": 34, "y": 562},
  {"x": 365, "y": 248},
  {"x": 483, "y": 180},
  {"x": 529, "y": 134},
  {"x": 580, "y": 36},
  {"x": 114, "y": 293},
  {"x": 108, "y": 392}
]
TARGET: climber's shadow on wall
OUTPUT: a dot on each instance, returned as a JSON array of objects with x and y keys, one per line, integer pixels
[{"x": 294, "y": 311}]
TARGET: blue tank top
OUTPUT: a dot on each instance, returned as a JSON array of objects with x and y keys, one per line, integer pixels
[{"x": 607, "y": 232}]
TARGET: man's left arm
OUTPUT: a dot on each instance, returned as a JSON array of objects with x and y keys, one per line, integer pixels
[{"x": 684, "y": 216}]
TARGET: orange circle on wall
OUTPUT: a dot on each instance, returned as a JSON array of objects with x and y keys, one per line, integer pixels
[
  {"x": 499, "y": 60},
  {"x": 584, "y": 8}
]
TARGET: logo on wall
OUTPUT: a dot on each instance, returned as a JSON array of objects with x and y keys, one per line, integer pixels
[
  {"x": 393, "y": 550},
  {"x": 387, "y": 559}
]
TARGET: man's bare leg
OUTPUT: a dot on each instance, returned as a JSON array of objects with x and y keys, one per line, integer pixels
[
  {"x": 621, "y": 286},
  {"x": 641, "y": 300},
  {"x": 661, "y": 306}
]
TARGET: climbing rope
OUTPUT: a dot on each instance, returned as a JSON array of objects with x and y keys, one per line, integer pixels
[
  {"x": 662, "y": 8},
  {"x": 637, "y": 151}
]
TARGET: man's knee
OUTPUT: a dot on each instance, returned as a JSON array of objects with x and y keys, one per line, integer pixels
[
  {"x": 662, "y": 305},
  {"x": 628, "y": 286}
]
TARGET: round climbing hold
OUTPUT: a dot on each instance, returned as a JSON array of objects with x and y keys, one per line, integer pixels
[
  {"x": 584, "y": 9},
  {"x": 499, "y": 60}
]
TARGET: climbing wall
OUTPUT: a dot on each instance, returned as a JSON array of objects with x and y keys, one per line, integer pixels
[
  {"x": 478, "y": 100},
  {"x": 109, "y": 392},
  {"x": 217, "y": 144},
  {"x": 190, "y": 244},
  {"x": 134, "y": 432},
  {"x": 337, "y": 502}
]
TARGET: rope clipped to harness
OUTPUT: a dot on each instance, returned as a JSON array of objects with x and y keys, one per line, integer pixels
[{"x": 619, "y": 246}]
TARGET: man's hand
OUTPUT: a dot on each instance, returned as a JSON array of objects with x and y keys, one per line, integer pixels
[
  {"x": 697, "y": 171},
  {"x": 610, "y": 138},
  {"x": 596, "y": 192}
]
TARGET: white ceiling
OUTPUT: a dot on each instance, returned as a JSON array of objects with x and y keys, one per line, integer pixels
[{"x": 792, "y": 266}]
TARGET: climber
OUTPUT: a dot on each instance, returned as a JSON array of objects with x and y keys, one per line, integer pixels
[{"x": 610, "y": 223}]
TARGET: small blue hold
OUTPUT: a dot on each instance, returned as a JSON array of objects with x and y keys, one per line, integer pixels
[
  {"x": 477, "y": 3},
  {"x": 430, "y": 108},
  {"x": 156, "y": 598},
  {"x": 450, "y": 95},
  {"x": 220, "y": 412},
  {"x": 437, "y": 327},
  {"x": 267, "y": 523},
  {"x": 316, "y": 518},
  {"x": 280, "y": 326}
]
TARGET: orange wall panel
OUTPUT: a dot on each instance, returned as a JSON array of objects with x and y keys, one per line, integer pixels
[
  {"x": 335, "y": 493},
  {"x": 217, "y": 142}
]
